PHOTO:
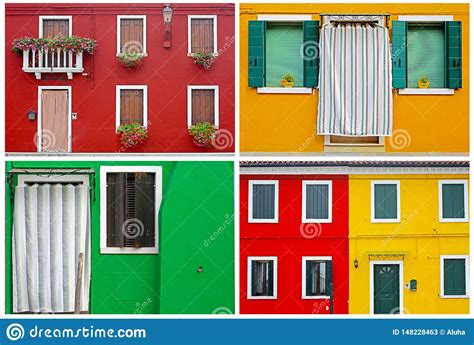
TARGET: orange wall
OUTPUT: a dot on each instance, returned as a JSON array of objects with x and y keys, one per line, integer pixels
[{"x": 287, "y": 122}]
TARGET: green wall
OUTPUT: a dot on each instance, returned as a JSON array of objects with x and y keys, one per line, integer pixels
[{"x": 196, "y": 229}]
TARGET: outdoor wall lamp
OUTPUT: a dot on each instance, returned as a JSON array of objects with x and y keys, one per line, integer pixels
[
  {"x": 356, "y": 263},
  {"x": 200, "y": 269},
  {"x": 167, "y": 15},
  {"x": 32, "y": 115}
]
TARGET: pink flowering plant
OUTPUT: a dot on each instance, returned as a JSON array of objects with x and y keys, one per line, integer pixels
[
  {"x": 130, "y": 59},
  {"x": 66, "y": 43},
  {"x": 204, "y": 59},
  {"x": 202, "y": 133},
  {"x": 132, "y": 135}
]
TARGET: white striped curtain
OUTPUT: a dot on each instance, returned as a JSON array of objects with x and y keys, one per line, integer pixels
[
  {"x": 50, "y": 228},
  {"x": 355, "y": 79}
]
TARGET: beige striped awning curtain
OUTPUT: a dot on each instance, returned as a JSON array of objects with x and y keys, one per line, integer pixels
[
  {"x": 355, "y": 97},
  {"x": 202, "y": 106},
  {"x": 131, "y": 35},
  {"x": 131, "y": 106},
  {"x": 55, "y": 27},
  {"x": 202, "y": 35}
]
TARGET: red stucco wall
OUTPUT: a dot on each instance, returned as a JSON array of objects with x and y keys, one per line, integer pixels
[
  {"x": 290, "y": 240},
  {"x": 167, "y": 72}
]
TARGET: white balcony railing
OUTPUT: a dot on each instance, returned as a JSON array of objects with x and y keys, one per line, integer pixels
[{"x": 52, "y": 61}]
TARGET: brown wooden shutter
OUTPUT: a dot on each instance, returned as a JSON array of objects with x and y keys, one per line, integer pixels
[
  {"x": 55, "y": 27},
  {"x": 202, "y": 35},
  {"x": 202, "y": 106},
  {"x": 131, "y": 35},
  {"x": 131, "y": 106},
  {"x": 337, "y": 139}
]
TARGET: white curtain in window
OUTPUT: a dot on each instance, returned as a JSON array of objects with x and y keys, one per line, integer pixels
[
  {"x": 51, "y": 227},
  {"x": 355, "y": 97}
]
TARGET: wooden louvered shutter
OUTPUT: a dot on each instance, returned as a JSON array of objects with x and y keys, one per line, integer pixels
[
  {"x": 115, "y": 209},
  {"x": 256, "y": 53},
  {"x": 453, "y": 32},
  {"x": 131, "y": 35},
  {"x": 399, "y": 54},
  {"x": 311, "y": 53},
  {"x": 203, "y": 106},
  {"x": 55, "y": 27},
  {"x": 202, "y": 35},
  {"x": 131, "y": 106},
  {"x": 145, "y": 207}
]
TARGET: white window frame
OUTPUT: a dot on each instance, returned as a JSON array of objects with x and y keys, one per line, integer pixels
[
  {"x": 372, "y": 201},
  {"x": 304, "y": 261},
  {"x": 285, "y": 90},
  {"x": 40, "y": 115},
  {"x": 42, "y": 18},
  {"x": 400, "y": 277},
  {"x": 441, "y": 275},
  {"x": 250, "y": 201},
  {"x": 215, "y": 88},
  {"x": 104, "y": 170},
  {"x": 119, "y": 88},
  {"x": 440, "y": 198},
  {"x": 417, "y": 91},
  {"x": 201, "y": 16},
  {"x": 249, "y": 276},
  {"x": 305, "y": 183},
  {"x": 119, "y": 18}
]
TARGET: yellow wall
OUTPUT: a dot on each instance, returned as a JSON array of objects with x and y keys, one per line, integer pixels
[
  {"x": 287, "y": 123},
  {"x": 419, "y": 235}
]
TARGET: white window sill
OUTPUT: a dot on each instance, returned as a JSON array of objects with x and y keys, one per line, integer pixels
[
  {"x": 426, "y": 91},
  {"x": 454, "y": 220},
  {"x": 385, "y": 221},
  {"x": 261, "y": 297},
  {"x": 285, "y": 90},
  {"x": 315, "y": 221},
  {"x": 127, "y": 250},
  {"x": 215, "y": 54},
  {"x": 454, "y": 296},
  {"x": 316, "y": 297},
  {"x": 263, "y": 221}
]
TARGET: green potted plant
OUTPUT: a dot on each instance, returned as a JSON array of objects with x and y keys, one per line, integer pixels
[
  {"x": 423, "y": 82},
  {"x": 288, "y": 80},
  {"x": 132, "y": 135},
  {"x": 130, "y": 59},
  {"x": 202, "y": 134},
  {"x": 204, "y": 59}
]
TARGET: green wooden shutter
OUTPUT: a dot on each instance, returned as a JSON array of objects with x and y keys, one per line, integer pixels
[
  {"x": 399, "y": 54},
  {"x": 453, "y": 201},
  {"x": 385, "y": 201},
  {"x": 453, "y": 32},
  {"x": 256, "y": 63},
  {"x": 454, "y": 277},
  {"x": 310, "y": 52},
  {"x": 328, "y": 278}
]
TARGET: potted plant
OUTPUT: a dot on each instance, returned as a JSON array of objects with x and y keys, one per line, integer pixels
[
  {"x": 132, "y": 135},
  {"x": 130, "y": 59},
  {"x": 202, "y": 133},
  {"x": 288, "y": 80},
  {"x": 204, "y": 59},
  {"x": 65, "y": 43},
  {"x": 423, "y": 82}
]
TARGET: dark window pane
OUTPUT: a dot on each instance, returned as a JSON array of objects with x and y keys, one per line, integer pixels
[
  {"x": 263, "y": 201},
  {"x": 454, "y": 277},
  {"x": 262, "y": 278},
  {"x": 317, "y": 201},
  {"x": 316, "y": 278},
  {"x": 453, "y": 201},
  {"x": 130, "y": 209},
  {"x": 385, "y": 201}
]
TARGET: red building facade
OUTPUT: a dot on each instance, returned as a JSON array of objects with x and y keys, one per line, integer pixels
[
  {"x": 282, "y": 247},
  {"x": 167, "y": 86}
]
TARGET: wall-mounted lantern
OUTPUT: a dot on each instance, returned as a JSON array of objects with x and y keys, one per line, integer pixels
[
  {"x": 200, "y": 269},
  {"x": 32, "y": 115},
  {"x": 356, "y": 263},
  {"x": 167, "y": 15}
]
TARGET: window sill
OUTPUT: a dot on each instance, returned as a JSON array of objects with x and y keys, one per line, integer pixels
[
  {"x": 385, "y": 221},
  {"x": 109, "y": 250},
  {"x": 454, "y": 296},
  {"x": 142, "y": 54},
  {"x": 316, "y": 297},
  {"x": 454, "y": 220},
  {"x": 215, "y": 54},
  {"x": 426, "y": 91},
  {"x": 315, "y": 221},
  {"x": 285, "y": 90},
  {"x": 261, "y": 297},
  {"x": 263, "y": 221}
]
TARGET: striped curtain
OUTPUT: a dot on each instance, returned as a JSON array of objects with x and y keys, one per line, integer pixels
[
  {"x": 51, "y": 227},
  {"x": 355, "y": 96},
  {"x": 55, "y": 27}
]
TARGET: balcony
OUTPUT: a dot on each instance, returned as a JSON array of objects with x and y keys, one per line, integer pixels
[{"x": 52, "y": 61}]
